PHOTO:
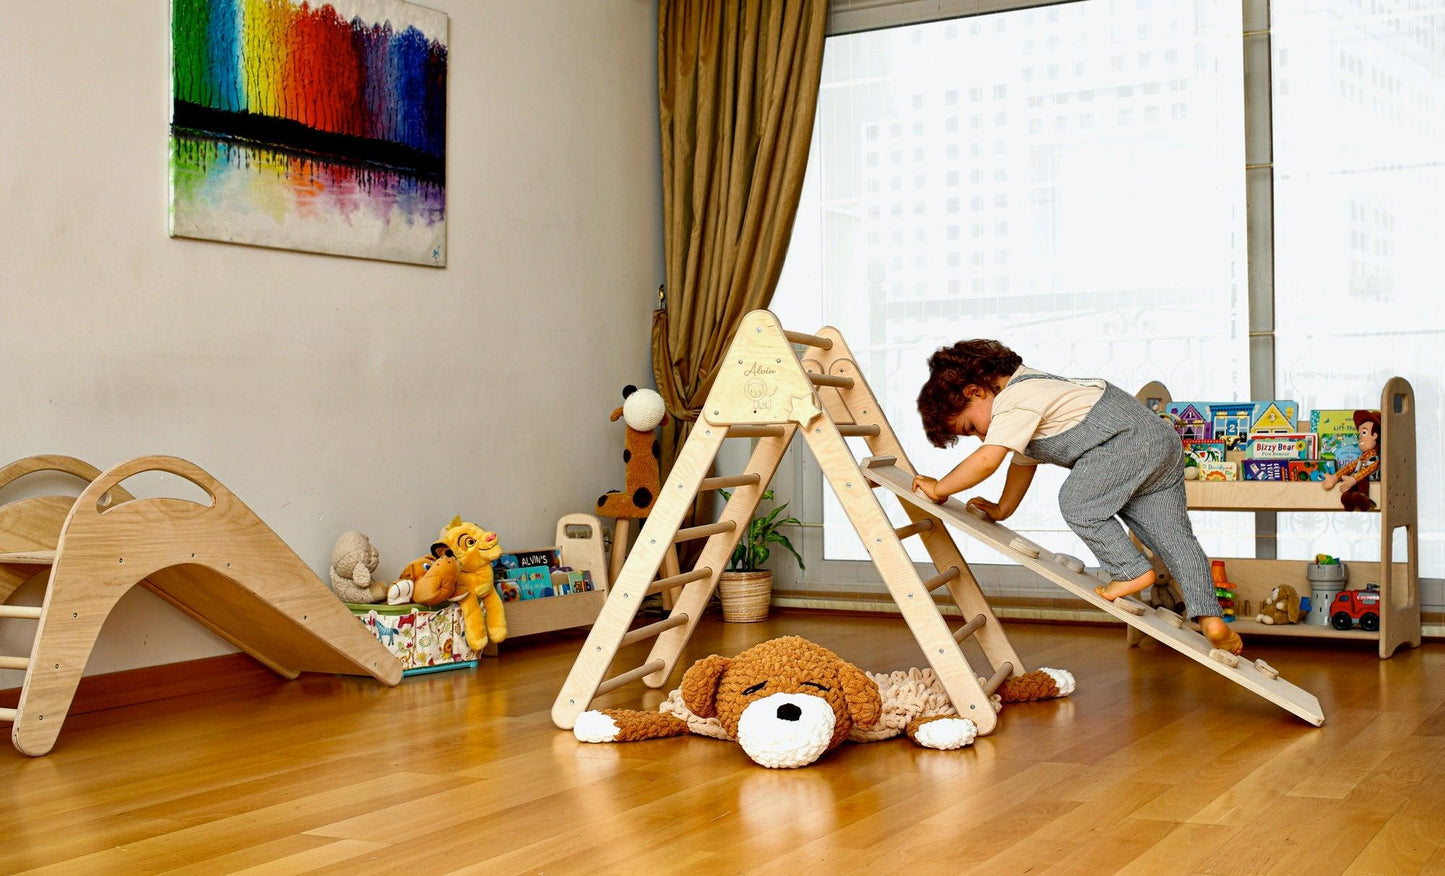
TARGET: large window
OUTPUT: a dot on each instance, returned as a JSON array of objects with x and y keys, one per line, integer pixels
[
  {"x": 1359, "y": 145},
  {"x": 1069, "y": 180}
]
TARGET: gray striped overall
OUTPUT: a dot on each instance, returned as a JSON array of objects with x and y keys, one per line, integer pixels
[{"x": 1128, "y": 463}]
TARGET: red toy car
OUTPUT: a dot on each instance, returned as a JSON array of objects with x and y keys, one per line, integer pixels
[{"x": 1357, "y": 605}]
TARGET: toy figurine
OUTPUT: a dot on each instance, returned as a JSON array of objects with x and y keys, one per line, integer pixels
[{"x": 1354, "y": 475}]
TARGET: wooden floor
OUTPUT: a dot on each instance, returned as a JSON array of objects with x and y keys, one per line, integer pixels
[{"x": 1153, "y": 766}]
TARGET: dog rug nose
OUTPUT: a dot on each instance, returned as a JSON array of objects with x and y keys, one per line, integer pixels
[{"x": 789, "y": 712}]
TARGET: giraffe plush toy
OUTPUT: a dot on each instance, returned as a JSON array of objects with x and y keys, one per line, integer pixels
[{"x": 643, "y": 411}]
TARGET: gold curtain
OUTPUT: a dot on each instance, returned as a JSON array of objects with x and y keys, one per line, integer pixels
[{"x": 737, "y": 89}]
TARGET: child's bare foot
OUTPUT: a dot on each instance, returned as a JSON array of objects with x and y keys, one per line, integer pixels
[
  {"x": 1220, "y": 635},
  {"x": 1115, "y": 589}
]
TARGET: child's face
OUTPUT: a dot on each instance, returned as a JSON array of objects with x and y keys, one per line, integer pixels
[{"x": 973, "y": 420}]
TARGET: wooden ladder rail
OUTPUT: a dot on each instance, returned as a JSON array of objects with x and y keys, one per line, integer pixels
[
  {"x": 857, "y": 404},
  {"x": 663, "y": 529}
]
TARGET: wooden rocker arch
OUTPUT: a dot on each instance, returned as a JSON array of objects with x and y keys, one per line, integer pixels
[{"x": 217, "y": 562}]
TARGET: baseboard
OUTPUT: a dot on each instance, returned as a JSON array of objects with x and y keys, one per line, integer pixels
[{"x": 130, "y": 687}]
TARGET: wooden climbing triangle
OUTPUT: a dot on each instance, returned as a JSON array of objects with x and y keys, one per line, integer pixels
[{"x": 767, "y": 390}]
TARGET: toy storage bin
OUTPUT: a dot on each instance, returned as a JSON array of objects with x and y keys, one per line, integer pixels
[
  {"x": 1326, "y": 582},
  {"x": 424, "y": 638}
]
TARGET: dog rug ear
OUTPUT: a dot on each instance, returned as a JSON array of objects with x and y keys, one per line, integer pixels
[
  {"x": 699, "y": 685},
  {"x": 864, "y": 702}
]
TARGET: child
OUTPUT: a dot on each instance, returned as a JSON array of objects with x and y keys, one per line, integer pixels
[{"x": 1126, "y": 463}]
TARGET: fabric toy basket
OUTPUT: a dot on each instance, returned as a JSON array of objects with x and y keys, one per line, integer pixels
[{"x": 424, "y": 638}]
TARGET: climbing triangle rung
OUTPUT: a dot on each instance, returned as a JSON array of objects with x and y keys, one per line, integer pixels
[
  {"x": 999, "y": 676},
  {"x": 941, "y": 578},
  {"x": 676, "y": 619},
  {"x": 678, "y": 580},
  {"x": 718, "y": 483},
  {"x": 707, "y": 529},
  {"x": 867, "y": 430},
  {"x": 755, "y": 431},
  {"x": 20, "y": 663},
  {"x": 830, "y": 380},
  {"x": 969, "y": 628},
  {"x": 913, "y": 528},
  {"x": 7, "y": 715},
  {"x": 617, "y": 681},
  {"x": 808, "y": 340},
  {"x": 28, "y": 612}
]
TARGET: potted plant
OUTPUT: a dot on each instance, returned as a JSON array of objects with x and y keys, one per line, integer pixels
[{"x": 746, "y": 588}]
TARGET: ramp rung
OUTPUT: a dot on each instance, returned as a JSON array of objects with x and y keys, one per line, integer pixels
[
  {"x": 695, "y": 532},
  {"x": 617, "y": 681},
  {"x": 969, "y": 628},
  {"x": 941, "y": 578},
  {"x": 679, "y": 580},
  {"x": 14, "y": 662},
  {"x": 880, "y": 462},
  {"x": 855, "y": 431},
  {"x": 913, "y": 528},
  {"x": 31, "y": 612},
  {"x": 718, "y": 483},
  {"x": 999, "y": 676},
  {"x": 676, "y": 619},
  {"x": 7, "y": 715},
  {"x": 830, "y": 380},
  {"x": 808, "y": 340},
  {"x": 755, "y": 431}
]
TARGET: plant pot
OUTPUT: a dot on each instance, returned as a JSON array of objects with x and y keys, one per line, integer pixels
[{"x": 745, "y": 596}]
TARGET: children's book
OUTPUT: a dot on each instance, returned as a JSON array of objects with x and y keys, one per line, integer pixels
[
  {"x": 1339, "y": 438},
  {"x": 1229, "y": 422},
  {"x": 1189, "y": 419},
  {"x": 1202, "y": 450},
  {"x": 1266, "y": 469},
  {"x": 1211, "y": 470},
  {"x": 1278, "y": 417},
  {"x": 1310, "y": 469},
  {"x": 533, "y": 582},
  {"x": 1296, "y": 446}
]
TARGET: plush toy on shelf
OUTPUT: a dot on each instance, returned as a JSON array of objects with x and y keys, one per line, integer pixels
[
  {"x": 1354, "y": 475},
  {"x": 353, "y": 563},
  {"x": 428, "y": 580},
  {"x": 475, "y": 549},
  {"x": 789, "y": 701},
  {"x": 1282, "y": 607}
]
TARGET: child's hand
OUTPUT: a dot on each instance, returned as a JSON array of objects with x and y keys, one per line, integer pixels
[
  {"x": 928, "y": 487},
  {"x": 992, "y": 509}
]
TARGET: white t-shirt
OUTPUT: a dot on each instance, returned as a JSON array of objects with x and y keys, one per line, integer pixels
[{"x": 1037, "y": 409}]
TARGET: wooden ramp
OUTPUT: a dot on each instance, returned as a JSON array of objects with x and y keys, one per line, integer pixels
[
  {"x": 884, "y": 472},
  {"x": 217, "y": 562}
]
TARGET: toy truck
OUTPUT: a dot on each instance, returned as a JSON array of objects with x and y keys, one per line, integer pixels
[{"x": 1357, "y": 605}]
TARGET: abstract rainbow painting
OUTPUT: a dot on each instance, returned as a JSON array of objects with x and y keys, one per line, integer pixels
[{"x": 314, "y": 127}]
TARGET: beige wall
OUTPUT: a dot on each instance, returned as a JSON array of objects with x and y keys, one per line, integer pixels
[{"x": 332, "y": 393}]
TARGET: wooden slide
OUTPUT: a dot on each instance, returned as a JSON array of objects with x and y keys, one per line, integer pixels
[
  {"x": 217, "y": 562},
  {"x": 1257, "y": 677}
]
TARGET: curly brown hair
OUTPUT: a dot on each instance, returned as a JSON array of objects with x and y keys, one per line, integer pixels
[{"x": 950, "y": 369}]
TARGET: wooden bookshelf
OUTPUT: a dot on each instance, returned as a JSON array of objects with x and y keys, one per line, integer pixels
[{"x": 1395, "y": 500}]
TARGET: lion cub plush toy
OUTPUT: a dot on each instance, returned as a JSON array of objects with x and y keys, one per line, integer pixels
[
  {"x": 475, "y": 549},
  {"x": 788, "y": 701}
]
